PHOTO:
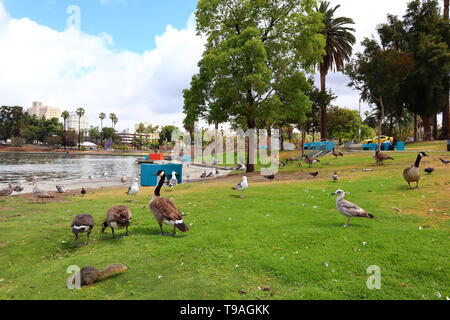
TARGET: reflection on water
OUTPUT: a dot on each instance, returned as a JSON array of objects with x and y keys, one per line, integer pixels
[{"x": 19, "y": 166}]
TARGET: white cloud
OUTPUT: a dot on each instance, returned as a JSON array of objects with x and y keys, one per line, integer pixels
[{"x": 71, "y": 69}]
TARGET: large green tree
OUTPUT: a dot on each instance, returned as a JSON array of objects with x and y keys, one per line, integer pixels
[
  {"x": 338, "y": 49},
  {"x": 10, "y": 120},
  {"x": 253, "y": 48}
]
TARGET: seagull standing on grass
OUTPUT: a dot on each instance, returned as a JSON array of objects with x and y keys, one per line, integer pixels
[
  {"x": 61, "y": 188},
  {"x": 335, "y": 177},
  {"x": 39, "y": 194},
  {"x": 242, "y": 186},
  {"x": 349, "y": 209},
  {"x": 134, "y": 189},
  {"x": 124, "y": 179},
  {"x": 173, "y": 181}
]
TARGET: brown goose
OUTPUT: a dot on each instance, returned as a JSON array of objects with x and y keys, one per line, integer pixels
[
  {"x": 380, "y": 157},
  {"x": 118, "y": 217},
  {"x": 7, "y": 192},
  {"x": 165, "y": 211},
  {"x": 82, "y": 223},
  {"x": 310, "y": 160},
  {"x": 412, "y": 174},
  {"x": 337, "y": 154}
]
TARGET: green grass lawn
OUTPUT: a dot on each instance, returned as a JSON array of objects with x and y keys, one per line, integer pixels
[{"x": 285, "y": 234}]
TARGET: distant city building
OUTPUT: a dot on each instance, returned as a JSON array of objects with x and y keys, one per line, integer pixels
[
  {"x": 44, "y": 111},
  {"x": 74, "y": 122},
  {"x": 127, "y": 138}
]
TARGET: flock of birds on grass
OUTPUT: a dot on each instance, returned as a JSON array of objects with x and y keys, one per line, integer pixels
[{"x": 165, "y": 212}]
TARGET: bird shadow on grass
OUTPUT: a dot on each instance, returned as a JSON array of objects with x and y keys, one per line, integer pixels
[
  {"x": 154, "y": 232},
  {"x": 341, "y": 225}
]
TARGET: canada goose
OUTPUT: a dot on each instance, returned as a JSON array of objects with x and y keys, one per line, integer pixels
[
  {"x": 61, "y": 188},
  {"x": 242, "y": 186},
  {"x": 18, "y": 187},
  {"x": 118, "y": 217},
  {"x": 165, "y": 211},
  {"x": 210, "y": 174},
  {"x": 412, "y": 174},
  {"x": 380, "y": 157},
  {"x": 173, "y": 181},
  {"x": 429, "y": 170},
  {"x": 337, "y": 154},
  {"x": 270, "y": 177},
  {"x": 314, "y": 174},
  {"x": 349, "y": 209},
  {"x": 446, "y": 162},
  {"x": 134, "y": 189},
  {"x": 335, "y": 177},
  {"x": 83, "y": 192},
  {"x": 7, "y": 192},
  {"x": 89, "y": 275},
  {"x": 310, "y": 160},
  {"x": 124, "y": 179},
  {"x": 82, "y": 223},
  {"x": 203, "y": 176},
  {"x": 39, "y": 194}
]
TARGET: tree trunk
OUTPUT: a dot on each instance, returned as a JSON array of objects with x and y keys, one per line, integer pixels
[
  {"x": 251, "y": 147},
  {"x": 446, "y": 107},
  {"x": 427, "y": 128},
  {"x": 435, "y": 127},
  {"x": 323, "y": 109},
  {"x": 416, "y": 133},
  {"x": 380, "y": 125},
  {"x": 281, "y": 139}
]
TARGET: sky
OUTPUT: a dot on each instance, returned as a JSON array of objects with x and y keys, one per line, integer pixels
[{"x": 130, "y": 57}]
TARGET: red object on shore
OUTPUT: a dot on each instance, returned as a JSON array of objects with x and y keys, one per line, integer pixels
[{"x": 156, "y": 156}]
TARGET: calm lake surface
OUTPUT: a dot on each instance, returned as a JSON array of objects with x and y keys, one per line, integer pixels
[{"x": 20, "y": 166}]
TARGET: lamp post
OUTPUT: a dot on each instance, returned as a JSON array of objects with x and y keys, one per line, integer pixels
[{"x": 360, "y": 120}]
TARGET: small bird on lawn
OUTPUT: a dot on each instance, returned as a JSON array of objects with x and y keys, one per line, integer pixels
[
  {"x": 429, "y": 170},
  {"x": 82, "y": 223},
  {"x": 173, "y": 181},
  {"x": 91, "y": 177},
  {"x": 210, "y": 174},
  {"x": 242, "y": 186},
  {"x": 18, "y": 187},
  {"x": 349, "y": 209},
  {"x": 61, "y": 188},
  {"x": 270, "y": 177},
  {"x": 380, "y": 157},
  {"x": 203, "y": 176},
  {"x": 83, "y": 191},
  {"x": 124, "y": 179},
  {"x": 310, "y": 160},
  {"x": 217, "y": 172},
  {"x": 7, "y": 192},
  {"x": 134, "y": 189},
  {"x": 335, "y": 177},
  {"x": 314, "y": 174},
  {"x": 337, "y": 154},
  {"x": 446, "y": 162}
]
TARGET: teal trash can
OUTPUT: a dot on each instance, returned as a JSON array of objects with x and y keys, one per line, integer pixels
[
  {"x": 400, "y": 146},
  {"x": 149, "y": 171}
]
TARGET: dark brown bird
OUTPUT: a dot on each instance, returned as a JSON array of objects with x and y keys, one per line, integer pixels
[
  {"x": 7, "y": 192},
  {"x": 380, "y": 157},
  {"x": 412, "y": 174},
  {"x": 118, "y": 217},
  {"x": 429, "y": 170},
  {"x": 446, "y": 162},
  {"x": 270, "y": 177},
  {"x": 90, "y": 275},
  {"x": 314, "y": 174},
  {"x": 310, "y": 160},
  {"x": 165, "y": 211},
  {"x": 337, "y": 154},
  {"x": 83, "y": 191},
  {"x": 82, "y": 223}
]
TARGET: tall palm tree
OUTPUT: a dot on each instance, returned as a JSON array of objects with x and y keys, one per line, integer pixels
[
  {"x": 338, "y": 50},
  {"x": 80, "y": 113},
  {"x": 114, "y": 121},
  {"x": 102, "y": 117},
  {"x": 65, "y": 115}
]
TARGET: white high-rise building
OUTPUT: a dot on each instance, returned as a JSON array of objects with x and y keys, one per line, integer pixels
[{"x": 74, "y": 122}]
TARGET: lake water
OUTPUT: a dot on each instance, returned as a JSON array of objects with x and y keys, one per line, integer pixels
[{"x": 52, "y": 167}]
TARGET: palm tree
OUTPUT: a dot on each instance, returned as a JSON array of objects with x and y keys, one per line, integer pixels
[
  {"x": 338, "y": 50},
  {"x": 102, "y": 117},
  {"x": 80, "y": 113},
  {"x": 65, "y": 115},
  {"x": 114, "y": 121}
]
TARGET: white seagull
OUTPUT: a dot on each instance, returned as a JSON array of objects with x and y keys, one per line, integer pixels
[
  {"x": 124, "y": 179},
  {"x": 350, "y": 209},
  {"x": 243, "y": 185},
  {"x": 134, "y": 189},
  {"x": 173, "y": 181}
]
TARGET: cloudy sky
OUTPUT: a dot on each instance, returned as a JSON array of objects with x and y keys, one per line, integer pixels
[{"x": 130, "y": 57}]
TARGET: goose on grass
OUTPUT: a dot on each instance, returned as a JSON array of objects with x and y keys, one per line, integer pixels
[
  {"x": 349, "y": 209},
  {"x": 7, "y": 192},
  {"x": 117, "y": 217},
  {"x": 412, "y": 174},
  {"x": 165, "y": 211},
  {"x": 82, "y": 223}
]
